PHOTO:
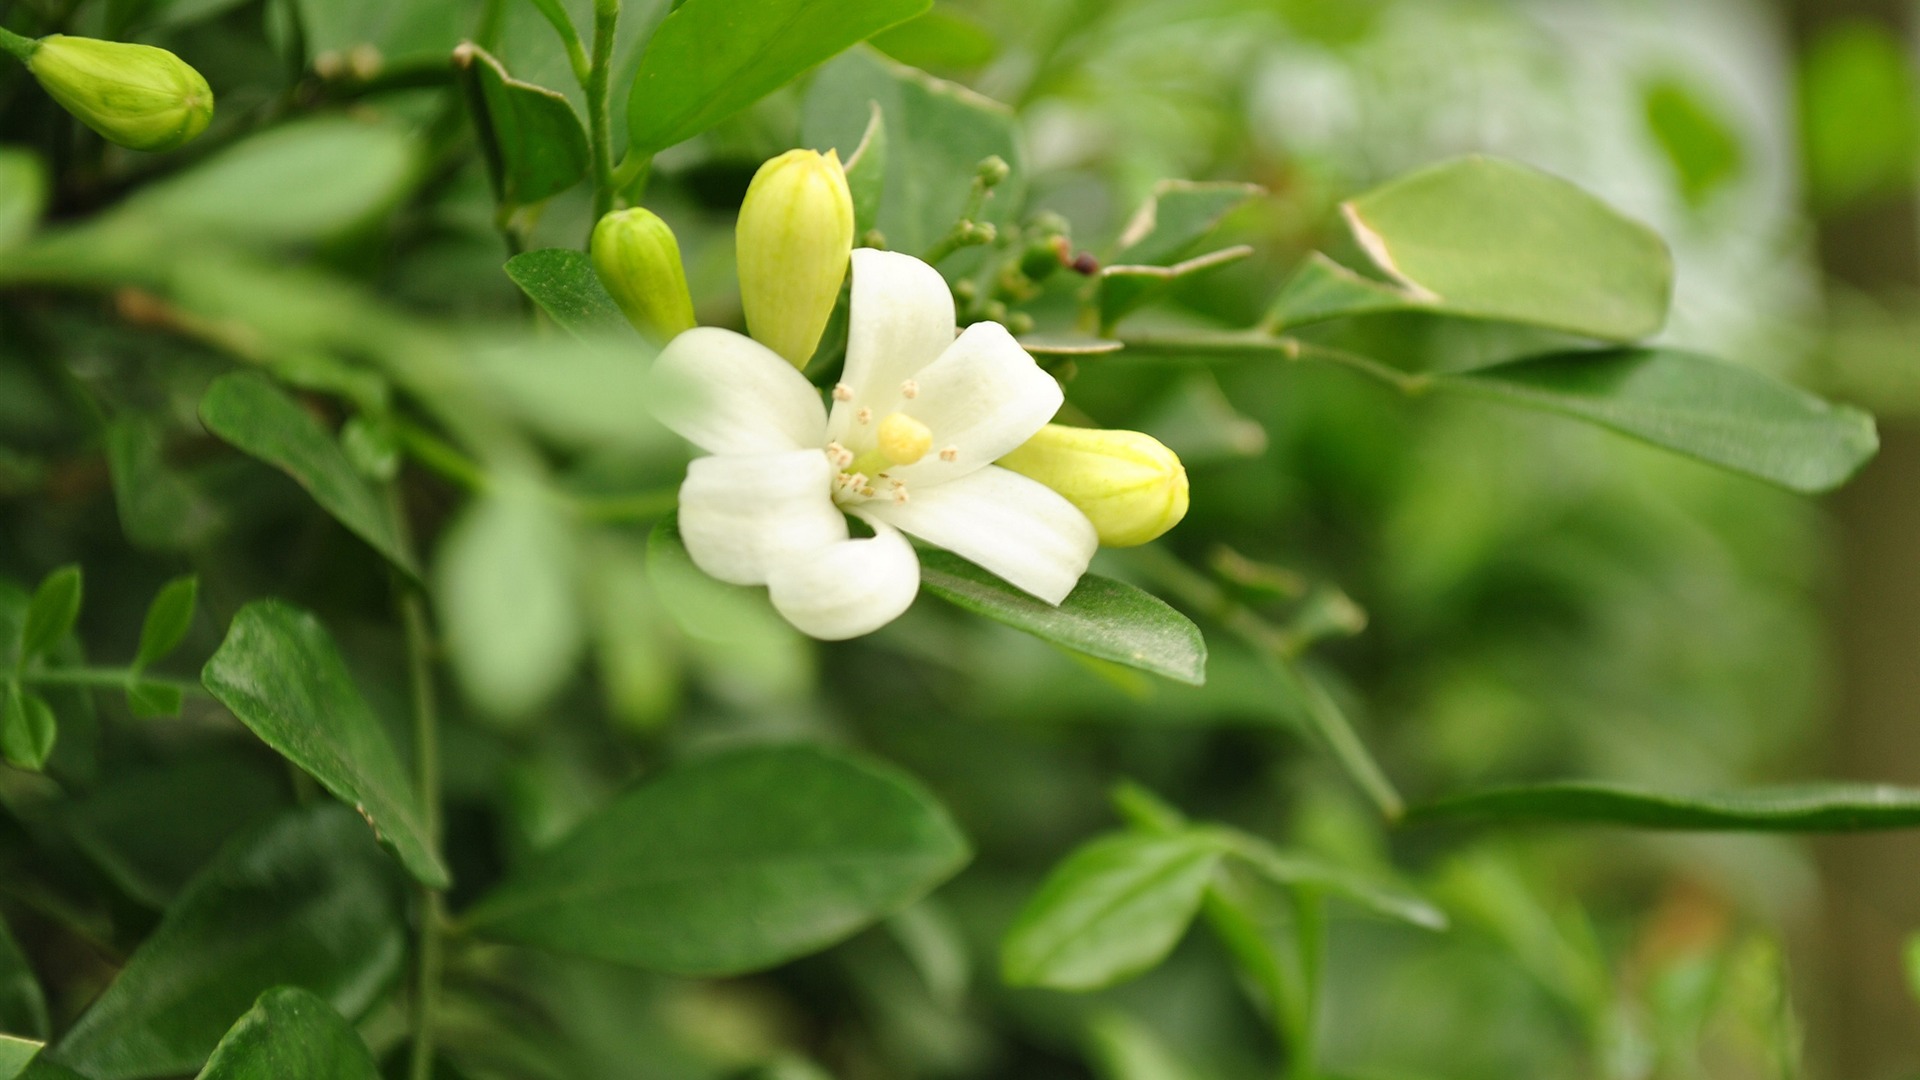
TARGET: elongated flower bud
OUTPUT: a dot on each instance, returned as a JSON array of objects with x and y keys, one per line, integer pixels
[
  {"x": 794, "y": 239},
  {"x": 1128, "y": 484},
  {"x": 638, "y": 260},
  {"x": 138, "y": 96}
]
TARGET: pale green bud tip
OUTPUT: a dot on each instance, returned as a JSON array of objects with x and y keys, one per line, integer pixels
[
  {"x": 138, "y": 96},
  {"x": 793, "y": 241},
  {"x": 1128, "y": 484},
  {"x": 638, "y": 261}
]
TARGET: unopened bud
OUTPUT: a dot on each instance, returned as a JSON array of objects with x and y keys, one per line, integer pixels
[
  {"x": 638, "y": 261},
  {"x": 1128, "y": 484},
  {"x": 137, "y": 96},
  {"x": 992, "y": 170},
  {"x": 793, "y": 241}
]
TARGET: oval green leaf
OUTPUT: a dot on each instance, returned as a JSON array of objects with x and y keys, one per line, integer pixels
[
  {"x": 1178, "y": 215},
  {"x": 1730, "y": 416},
  {"x": 732, "y": 863},
  {"x": 168, "y": 619},
  {"x": 1786, "y": 808},
  {"x": 52, "y": 611},
  {"x": 712, "y": 58},
  {"x": 535, "y": 145},
  {"x": 279, "y": 672},
  {"x": 307, "y": 901},
  {"x": 1113, "y": 909},
  {"x": 27, "y": 728},
  {"x": 291, "y": 1035},
  {"x": 563, "y": 283},
  {"x": 1102, "y": 617}
]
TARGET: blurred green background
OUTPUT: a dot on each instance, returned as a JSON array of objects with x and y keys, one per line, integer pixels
[{"x": 1538, "y": 601}]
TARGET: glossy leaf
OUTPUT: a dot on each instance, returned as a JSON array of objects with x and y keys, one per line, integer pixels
[
  {"x": 1729, "y": 416},
  {"x": 563, "y": 283},
  {"x": 280, "y": 673},
  {"x": 1102, "y": 617},
  {"x": 1177, "y": 216},
  {"x": 1834, "y": 807},
  {"x": 941, "y": 38},
  {"x": 937, "y": 133},
  {"x": 1126, "y": 288},
  {"x": 288, "y": 1034},
  {"x": 307, "y": 901},
  {"x": 504, "y": 580},
  {"x": 52, "y": 611},
  {"x": 27, "y": 728},
  {"x": 711, "y": 58},
  {"x": 249, "y": 411},
  {"x": 297, "y": 182},
  {"x": 23, "y": 1005},
  {"x": 168, "y": 619},
  {"x": 1491, "y": 239},
  {"x": 1113, "y": 909},
  {"x": 535, "y": 144},
  {"x": 732, "y": 863}
]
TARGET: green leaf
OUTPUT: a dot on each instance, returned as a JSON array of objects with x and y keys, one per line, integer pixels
[
  {"x": 1101, "y": 617},
  {"x": 52, "y": 612},
  {"x": 27, "y": 728},
  {"x": 1177, "y": 216},
  {"x": 563, "y": 283},
  {"x": 23, "y": 1005},
  {"x": 256, "y": 416},
  {"x": 23, "y": 195},
  {"x": 376, "y": 34},
  {"x": 1832, "y": 807},
  {"x": 867, "y": 172},
  {"x": 1296, "y": 869},
  {"x": 298, "y": 182},
  {"x": 712, "y": 58},
  {"x": 1321, "y": 289},
  {"x": 308, "y": 901},
  {"x": 290, "y": 1034},
  {"x": 1729, "y": 416},
  {"x": 15, "y": 1055},
  {"x": 937, "y": 134},
  {"x": 1115, "y": 908},
  {"x": 535, "y": 144},
  {"x": 1126, "y": 288},
  {"x": 280, "y": 673},
  {"x": 1490, "y": 239},
  {"x": 505, "y": 582},
  {"x": 1123, "y": 1048},
  {"x": 1698, "y": 140},
  {"x": 159, "y": 506},
  {"x": 152, "y": 700},
  {"x": 168, "y": 619},
  {"x": 732, "y": 863},
  {"x": 939, "y": 39}
]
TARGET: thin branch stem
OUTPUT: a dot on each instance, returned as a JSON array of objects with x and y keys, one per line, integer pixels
[
  {"x": 556, "y": 15},
  {"x": 106, "y": 679},
  {"x": 21, "y": 48},
  {"x": 1256, "y": 343},
  {"x": 606, "y": 19}
]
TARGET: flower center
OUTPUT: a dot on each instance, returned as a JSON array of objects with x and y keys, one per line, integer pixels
[{"x": 897, "y": 440}]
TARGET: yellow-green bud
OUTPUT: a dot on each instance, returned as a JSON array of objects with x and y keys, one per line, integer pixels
[
  {"x": 138, "y": 96},
  {"x": 638, "y": 260},
  {"x": 1128, "y": 484},
  {"x": 794, "y": 240}
]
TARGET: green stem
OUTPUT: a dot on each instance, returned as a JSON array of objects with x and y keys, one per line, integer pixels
[
  {"x": 1310, "y": 938},
  {"x": 1251, "y": 344},
  {"x": 606, "y": 18},
  {"x": 21, "y": 47},
  {"x": 569, "y": 37},
  {"x": 430, "y": 932},
  {"x": 105, "y": 679}
]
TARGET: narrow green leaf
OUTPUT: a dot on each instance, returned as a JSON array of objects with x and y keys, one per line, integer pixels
[
  {"x": 1113, "y": 909},
  {"x": 15, "y": 1055},
  {"x": 1295, "y": 869},
  {"x": 168, "y": 619},
  {"x": 23, "y": 1005},
  {"x": 505, "y": 582},
  {"x": 535, "y": 142},
  {"x": 1177, "y": 216},
  {"x": 249, "y": 411},
  {"x": 1126, "y": 288},
  {"x": 712, "y": 58},
  {"x": 308, "y": 901},
  {"x": 51, "y": 613},
  {"x": 1834, "y": 807},
  {"x": 1491, "y": 239},
  {"x": 280, "y": 673},
  {"x": 563, "y": 283},
  {"x": 27, "y": 728},
  {"x": 290, "y": 1034},
  {"x": 937, "y": 133},
  {"x": 1102, "y": 617},
  {"x": 732, "y": 863},
  {"x": 1729, "y": 416},
  {"x": 23, "y": 195}
]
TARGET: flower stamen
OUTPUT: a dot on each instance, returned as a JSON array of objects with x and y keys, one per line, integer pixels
[{"x": 842, "y": 392}]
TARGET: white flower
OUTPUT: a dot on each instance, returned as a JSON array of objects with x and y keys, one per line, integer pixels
[{"x": 918, "y": 419}]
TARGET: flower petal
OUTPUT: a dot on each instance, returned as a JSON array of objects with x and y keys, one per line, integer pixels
[
  {"x": 983, "y": 398},
  {"x": 848, "y": 588},
  {"x": 900, "y": 319},
  {"x": 728, "y": 394},
  {"x": 1010, "y": 525},
  {"x": 744, "y": 515}
]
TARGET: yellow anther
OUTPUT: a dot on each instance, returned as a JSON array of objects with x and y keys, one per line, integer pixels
[{"x": 904, "y": 440}]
